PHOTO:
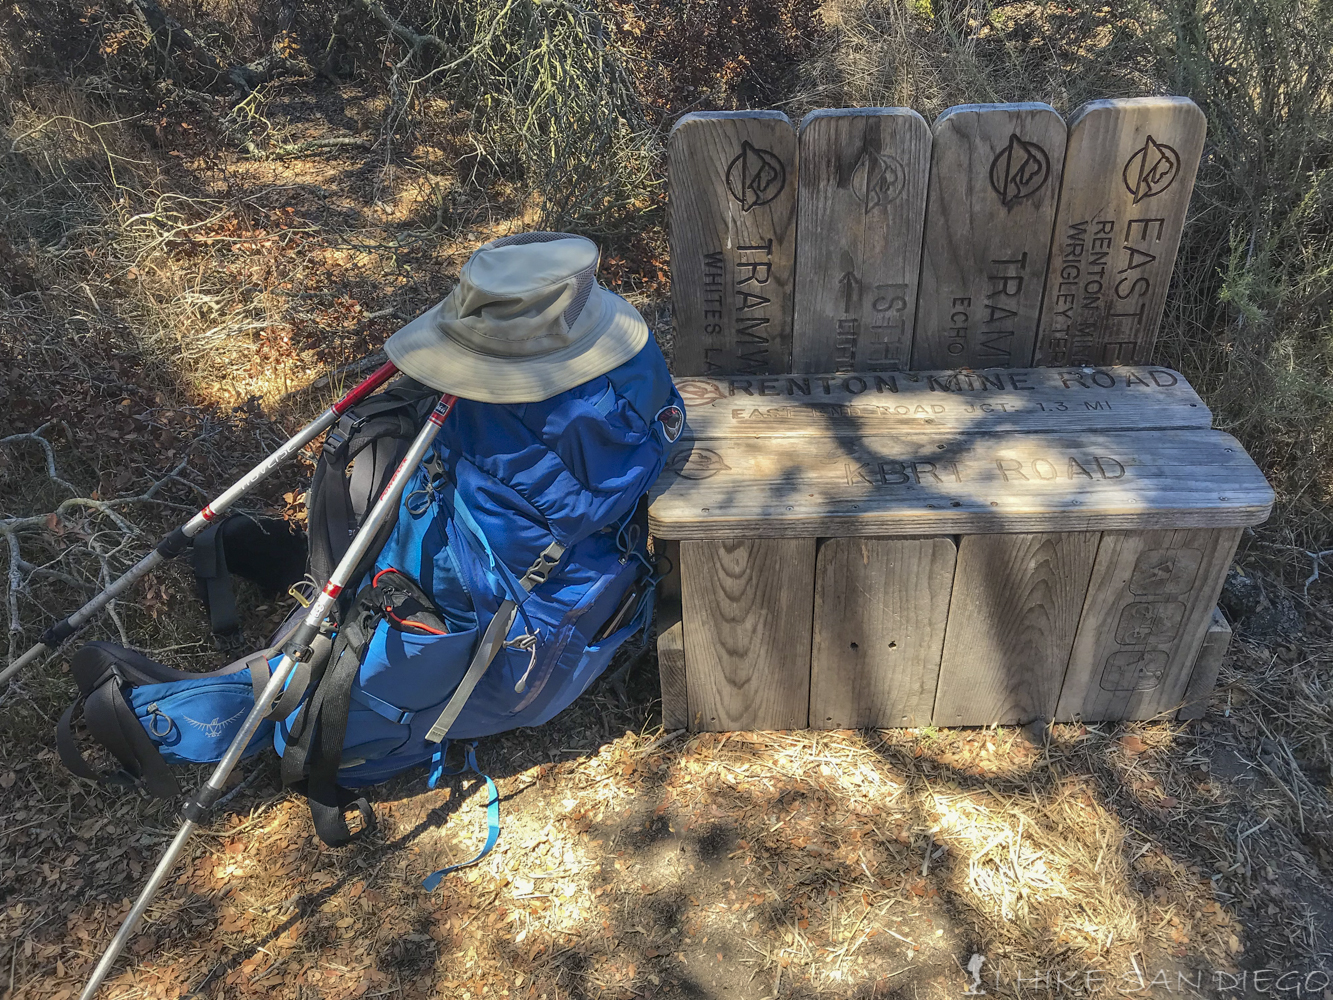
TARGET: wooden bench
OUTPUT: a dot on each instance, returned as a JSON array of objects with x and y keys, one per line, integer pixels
[{"x": 869, "y": 545}]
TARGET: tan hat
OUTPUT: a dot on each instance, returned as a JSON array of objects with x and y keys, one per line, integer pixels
[{"x": 527, "y": 321}]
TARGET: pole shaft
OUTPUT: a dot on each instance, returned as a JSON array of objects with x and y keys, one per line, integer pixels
[
  {"x": 305, "y": 632},
  {"x": 210, "y": 512}
]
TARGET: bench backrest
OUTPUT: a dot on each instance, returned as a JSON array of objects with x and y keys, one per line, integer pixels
[{"x": 866, "y": 241}]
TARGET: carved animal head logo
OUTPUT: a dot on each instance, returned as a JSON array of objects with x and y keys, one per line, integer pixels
[
  {"x": 877, "y": 179},
  {"x": 696, "y": 463},
  {"x": 672, "y": 419},
  {"x": 1019, "y": 170},
  {"x": 699, "y": 391},
  {"x": 755, "y": 177},
  {"x": 1151, "y": 169}
]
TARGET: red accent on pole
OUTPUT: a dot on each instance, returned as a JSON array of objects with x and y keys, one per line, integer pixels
[
  {"x": 208, "y": 514},
  {"x": 332, "y": 589},
  {"x": 442, "y": 409},
  {"x": 377, "y": 378}
]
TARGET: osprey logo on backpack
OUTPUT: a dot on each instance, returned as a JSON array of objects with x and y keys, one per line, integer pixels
[
  {"x": 215, "y": 728},
  {"x": 672, "y": 419}
]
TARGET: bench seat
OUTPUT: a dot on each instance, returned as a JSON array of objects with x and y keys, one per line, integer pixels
[{"x": 956, "y": 548}]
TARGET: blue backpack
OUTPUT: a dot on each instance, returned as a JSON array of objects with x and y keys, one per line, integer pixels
[{"x": 516, "y": 567}]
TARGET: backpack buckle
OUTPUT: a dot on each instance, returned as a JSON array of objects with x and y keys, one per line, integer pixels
[
  {"x": 541, "y": 568},
  {"x": 348, "y": 424}
]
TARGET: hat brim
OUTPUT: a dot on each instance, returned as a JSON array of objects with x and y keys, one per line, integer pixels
[{"x": 425, "y": 352}]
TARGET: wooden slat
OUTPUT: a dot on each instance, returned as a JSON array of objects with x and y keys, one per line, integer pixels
[
  {"x": 1012, "y": 620},
  {"x": 921, "y": 484},
  {"x": 860, "y": 210},
  {"x": 1207, "y": 665},
  {"x": 1129, "y": 172},
  {"x": 671, "y": 642},
  {"x": 1032, "y": 399},
  {"x": 748, "y": 603},
  {"x": 732, "y": 225},
  {"x": 1149, "y": 604},
  {"x": 994, "y": 186},
  {"x": 880, "y": 610}
]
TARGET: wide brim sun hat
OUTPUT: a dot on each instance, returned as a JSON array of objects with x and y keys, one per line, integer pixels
[{"x": 526, "y": 322}]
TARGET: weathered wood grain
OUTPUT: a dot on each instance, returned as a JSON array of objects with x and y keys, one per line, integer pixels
[
  {"x": 748, "y": 606},
  {"x": 880, "y": 610},
  {"x": 1030, "y": 399},
  {"x": 1207, "y": 665},
  {"x": 671, "y": 641},
  {"x": 994, "y": 185},
  {"x": 828, "y": 485},
  {"x": 1012, "y": 621},
  {"x": 1149, "y": 603},
  {"x": 732, "y": 228},
  {"x": 1129, "y": 172},
  {"x": 858, "y": 237}
]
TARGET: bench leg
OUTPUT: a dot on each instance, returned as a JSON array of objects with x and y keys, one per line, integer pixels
[
  {"x": 748, "y": 605},
  {"x": 1149, "y": 606},
  {"x": 671, "y": 642},
  {"x": 1206, "y": 667},
  {"x": 1012, "y": 621},
  {"x": 880, "y": 611}
]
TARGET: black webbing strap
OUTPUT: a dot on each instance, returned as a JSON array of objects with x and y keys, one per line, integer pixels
[
  {"x": 209, "y": 560},
  {"x": 313, "y": 753},
  {"x": 112, "y": 722}
]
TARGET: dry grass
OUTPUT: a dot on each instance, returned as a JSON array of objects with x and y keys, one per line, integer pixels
[{"x": 182, "y": 265}]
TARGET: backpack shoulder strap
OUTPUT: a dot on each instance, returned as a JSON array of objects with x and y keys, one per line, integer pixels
[
  {"x": 208, "y": 557},
  {"x": 372, "y": 438}
]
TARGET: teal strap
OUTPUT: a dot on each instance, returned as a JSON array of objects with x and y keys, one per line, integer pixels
[{"x": 438, "y": 770}]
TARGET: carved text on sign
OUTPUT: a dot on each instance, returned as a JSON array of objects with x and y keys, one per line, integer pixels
[
  {"x": 743, "y": 279},
  {"x": 895, "y": 472},
  {"x": 993, "y": 314},
  {"x": 755, "y": 177},
  {"x": 1104, "y": 289},
  {"x": 1151, "y": 169},
  {"x": 877, "y": 179},
  {"x": 1019, "y": 170}
]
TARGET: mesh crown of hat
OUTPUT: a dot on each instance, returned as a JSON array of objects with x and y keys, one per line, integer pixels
[{"x": 584, "y": 280}]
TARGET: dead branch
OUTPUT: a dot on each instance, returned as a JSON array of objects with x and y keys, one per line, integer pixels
[{"x": 246, "y": 78}]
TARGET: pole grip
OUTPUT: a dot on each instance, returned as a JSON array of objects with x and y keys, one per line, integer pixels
[{"x": 174, "y": 543}]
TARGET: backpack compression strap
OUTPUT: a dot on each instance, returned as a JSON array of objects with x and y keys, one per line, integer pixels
[{"x": 494, "y": 636}]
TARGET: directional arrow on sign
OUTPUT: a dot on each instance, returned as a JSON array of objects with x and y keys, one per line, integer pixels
[{"x": 851, "y": 286}]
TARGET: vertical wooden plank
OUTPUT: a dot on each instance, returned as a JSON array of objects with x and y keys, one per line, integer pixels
[
  {"x": 748, "y": 603},
  {"x": 1207, "y": 665},
  {"x": 1150, "y": 600},
  {"x": 880, "y": 609},
  {"x": 995, "y": 180},
  {"x": 860, "y": 211},
  {"x": 732, "y": 227},
  {"x": 671, "y": 641},
  {"x": 1012, "y": 621},
  {"x": 1129, "y": 172}
]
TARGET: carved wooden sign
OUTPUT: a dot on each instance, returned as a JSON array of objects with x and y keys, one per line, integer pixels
[
  {"x": 1129, "y": 172},
  {"x": 830, "y": 484},
  {"x": 1032, "y": 399},
  {"x": 994, "y": 185},
  {"x": 732, "y": 224},
  {"x": 860, "y": 211}
]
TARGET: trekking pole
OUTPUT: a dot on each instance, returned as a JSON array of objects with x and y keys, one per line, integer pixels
[
  {"x": 179, "y": 540},
  {"x": 295, "y": 649}
]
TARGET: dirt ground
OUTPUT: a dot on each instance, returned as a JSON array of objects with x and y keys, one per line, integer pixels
[{"x": 1153, "y": 858}]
